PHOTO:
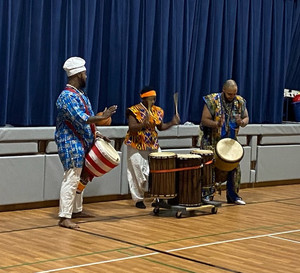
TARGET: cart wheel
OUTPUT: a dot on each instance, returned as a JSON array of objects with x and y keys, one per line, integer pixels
[
  {"x": 156, "y": 211},
  {"x": 178, "y": 214},
  {"x": 214, "y": 210}
]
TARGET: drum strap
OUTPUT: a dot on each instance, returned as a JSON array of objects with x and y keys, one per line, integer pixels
[
  {"x": 70, "y": 125},
  {"x": 93, "y": 127},
  {"x": 181, "y": 169}
]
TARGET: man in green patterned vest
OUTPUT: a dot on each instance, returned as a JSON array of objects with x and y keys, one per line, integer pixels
[{"x": 222, "y": 115}]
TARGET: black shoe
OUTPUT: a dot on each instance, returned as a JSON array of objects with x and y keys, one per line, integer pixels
[{"x": 140, "y": 205}]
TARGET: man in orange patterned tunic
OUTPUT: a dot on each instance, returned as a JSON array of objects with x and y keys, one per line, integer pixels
[{"x": 141, "y": 140}]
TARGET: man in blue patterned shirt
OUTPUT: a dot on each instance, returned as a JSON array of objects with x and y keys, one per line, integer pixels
[{"x": 75, "y": 134}]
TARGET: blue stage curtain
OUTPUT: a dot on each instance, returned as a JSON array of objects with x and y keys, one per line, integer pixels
[
  {"x": 293, "y": 69},
  {"x": 190, "y": 47}
]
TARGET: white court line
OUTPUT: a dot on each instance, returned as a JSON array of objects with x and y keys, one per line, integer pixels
[
  {"x": 284, "y": 239},
  {"x": 234, "y": 240},
  {"x": 173, "y": 250},
  {"x": 102, "y": 262}
]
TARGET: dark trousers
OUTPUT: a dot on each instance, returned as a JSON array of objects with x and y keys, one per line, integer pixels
[{"x": 231, "y": 191}]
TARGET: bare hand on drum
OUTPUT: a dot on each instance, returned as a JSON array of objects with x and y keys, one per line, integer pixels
[
  {"x": 110, "y": 111},
  {"x": 98, "y": 134},
  {"x": 106, "y": 139}
]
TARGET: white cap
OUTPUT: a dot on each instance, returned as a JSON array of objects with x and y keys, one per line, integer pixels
[{"x": 74, "y": 65}]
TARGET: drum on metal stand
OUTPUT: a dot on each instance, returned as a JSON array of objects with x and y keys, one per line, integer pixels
[
  {"x": 208, "y": 182},
  {"x": 188, "y": 179},
  {"x": 162, "y": 182}
]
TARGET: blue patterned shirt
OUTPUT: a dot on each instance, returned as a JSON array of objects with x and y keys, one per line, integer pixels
[{"x": 70, "y": 108}]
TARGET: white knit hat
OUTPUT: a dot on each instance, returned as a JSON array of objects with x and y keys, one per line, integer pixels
[{"x": 74, "y": 65}]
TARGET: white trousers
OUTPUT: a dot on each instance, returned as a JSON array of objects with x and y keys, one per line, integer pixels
[
  {"x": 137, "y": 172},
  {"x": 70, "y": 202}
]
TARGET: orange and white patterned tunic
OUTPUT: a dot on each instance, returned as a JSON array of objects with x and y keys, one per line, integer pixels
[{"x": 146, "y": 138}]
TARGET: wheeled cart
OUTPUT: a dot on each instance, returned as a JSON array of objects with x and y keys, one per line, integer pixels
[
  {"x": 182, "y": 183},
  {"x": 179, "y": 209}
]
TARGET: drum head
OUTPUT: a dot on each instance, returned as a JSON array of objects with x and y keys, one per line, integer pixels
[
  {"x": 188, "y": 156},
  {"x": 108, "y": 151},
  {"x": 162, "y": 155},
  {"x": 229, "y": 150},
  {"x": 202, "y": 152}
]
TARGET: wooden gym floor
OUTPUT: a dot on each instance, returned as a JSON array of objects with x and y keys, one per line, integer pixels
[{"x": 263, "y": 236}]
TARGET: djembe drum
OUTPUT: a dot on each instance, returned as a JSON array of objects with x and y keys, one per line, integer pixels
[
  {"x": 188, "y": 179},
  {"x": 162, "y": 175},
  {"x": 228, "y": 155}
]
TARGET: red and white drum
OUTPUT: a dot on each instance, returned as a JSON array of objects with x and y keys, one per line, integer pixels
[{"x": 101, "y": 158}]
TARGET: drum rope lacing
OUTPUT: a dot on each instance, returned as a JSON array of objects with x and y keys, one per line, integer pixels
[{"x": 182, "y": 169}]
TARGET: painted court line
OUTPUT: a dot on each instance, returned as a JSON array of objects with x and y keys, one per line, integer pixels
[
  {"x": 284, "y": 239},
  {"x": 234, "y": 240},
  {"x": 102, "y": 262},
  {"x": 272, "y": 235}
]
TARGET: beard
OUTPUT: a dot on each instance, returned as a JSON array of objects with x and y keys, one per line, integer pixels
[
  {"x": 228, "y": 100},
  {"x": 82, "y": 84}
]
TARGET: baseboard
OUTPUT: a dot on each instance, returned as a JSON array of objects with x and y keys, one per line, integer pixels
[
  {"x": 274, "y": 183},
  {"x": 55, "y": 203},
  {"x": 266, "y": 184}
]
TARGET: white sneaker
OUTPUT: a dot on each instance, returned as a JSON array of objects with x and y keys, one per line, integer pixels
[
  {"x": 240, "y": 202},
  {"x": 206, "y": 198}
]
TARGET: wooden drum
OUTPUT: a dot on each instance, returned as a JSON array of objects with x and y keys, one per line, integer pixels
[
  {"x": 162, "y": 175},
  {"x": 228, "y": 154},
  {"x": 189, "y": 180},
  {"x": 208, "y": 185}
]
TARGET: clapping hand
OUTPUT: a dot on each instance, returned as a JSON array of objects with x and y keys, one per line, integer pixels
[{"x": 110, "y": 111}]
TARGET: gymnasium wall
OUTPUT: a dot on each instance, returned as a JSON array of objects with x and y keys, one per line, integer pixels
[{"x": 31, "y": 171}]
